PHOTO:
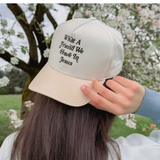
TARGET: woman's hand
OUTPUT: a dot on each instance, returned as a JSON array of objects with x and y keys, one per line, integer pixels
[{"x": 126, "y": 95}]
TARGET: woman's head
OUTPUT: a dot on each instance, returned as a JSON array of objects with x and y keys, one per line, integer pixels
[{"x": 65, "y": 126}]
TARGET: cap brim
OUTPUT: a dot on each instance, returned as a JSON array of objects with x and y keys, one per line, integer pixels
[{"x": 61, "y": 87}]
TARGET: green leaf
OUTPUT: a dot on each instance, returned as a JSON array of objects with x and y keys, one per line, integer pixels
[
  {"x": 47, "y": 40},
  {"x": 146, "y": 46},
  {"x": 157, "y": 42},
  {"x": 148, "y": 23},
  {"x": 24, "y": 49},
  {"x": 158, "y": 39}
]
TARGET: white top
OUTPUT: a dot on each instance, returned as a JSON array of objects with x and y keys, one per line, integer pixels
[{"x": 133, "y": 147}]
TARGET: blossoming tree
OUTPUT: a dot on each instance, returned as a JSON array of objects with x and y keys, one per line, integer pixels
[
  {"x": 138, "y": 23},
  {"x": 37, "y": 40}
]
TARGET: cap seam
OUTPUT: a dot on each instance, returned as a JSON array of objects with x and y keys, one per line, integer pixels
[
  {"x": 110, "y": 49},
  {"x": 83, "y": 24}
]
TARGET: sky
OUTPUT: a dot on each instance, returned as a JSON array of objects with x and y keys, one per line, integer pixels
[{"x": 60, "y": 16}]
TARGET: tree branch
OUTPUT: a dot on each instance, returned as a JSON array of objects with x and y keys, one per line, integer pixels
[
  {"x": 35, "y": 25},
  {"x": 21, "y": 64},
  {"x": 65, "y": 4},
  {"x": 20, "y": 16},
  {"x": 50, "y": 17},
  {"x": 72, "y": 10}
]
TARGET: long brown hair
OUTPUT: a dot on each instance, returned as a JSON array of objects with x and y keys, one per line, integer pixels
[{"x": 54, "y": 131}]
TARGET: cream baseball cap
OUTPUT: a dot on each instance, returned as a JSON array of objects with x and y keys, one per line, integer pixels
[{"x": 82, "y": 50}]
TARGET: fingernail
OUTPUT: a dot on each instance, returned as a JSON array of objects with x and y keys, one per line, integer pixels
[{"x": 83, "y": 88}]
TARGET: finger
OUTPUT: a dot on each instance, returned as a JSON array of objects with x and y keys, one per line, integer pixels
[
  {"x": 106, "y": 93},
  {"x": 99, "y": 101},
  {"x": 94, "y": 104},
  {"x": 116, "y": 87},
  {"x": 123, "y": 81}
]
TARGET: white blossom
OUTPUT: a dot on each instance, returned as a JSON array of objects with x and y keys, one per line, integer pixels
[
  {"x": 4, "y": 23},
  {"x": 78, "y": 15},
  {"x": 124, "y": 13},
  {"x": 12, "y": 111},
  {"x": 46, "y": 53},
  {"x": 31, "y": 7},
  {"x": 109, "y": 10},
  {"x": 97, "y": 14},
  {"x": 144, "y": 13},
  {"x": 14, "y": 60},
  {"x": 153, "y": 27},
  {"x": 7, "y": 43},
  {"x": 2, "y": 50},
  {"x": 144, "y": 20},
  {"x": 17, "y": 89},
  {"x": 8, "y": 67},
  {"x": 130, "y": 21},
  {"x": 125, "y": 116},
  {"x": 158, "y": 66},
  {"x": 120, "y": 19},
  {"x": 113, "y": 23},
  {"x": 151, "y": 14},
  {"x": 149, "y": 66},
  {"x": 49, "y": 5},
  {"x": 131, "y": 115},
  {"x": 136, "y": 52},
  {"x": 150, "y": 50},
  {"x": 12, "y": 114},
  {"x": 143, "y": 4},
  {"x": 18, "y": 123},
  {"x": 20, "y": 35},
  {"x": 12, "y": 31},
  {"x": 158, "y": 16},
  {"x": 154, "y": 8},
  {"x": 4, "y": 81},
  {"x": 3, "y": 31},
  {"x": 14, "y": 52},
  {"x": 88, "y": 13},
  {"x": 130, "y": 123},
  {"x": 138, "y": 8},
  {"x": 138, "y": 60},
  {"x": 130, "y": 34},
  {"x": 157, "y": 77}
]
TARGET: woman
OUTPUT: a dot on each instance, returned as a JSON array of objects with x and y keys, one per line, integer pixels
[{"x": 62, "y": 125}]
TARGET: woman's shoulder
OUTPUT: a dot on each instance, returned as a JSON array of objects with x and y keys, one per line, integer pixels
[
  {"x": 137, "y": 146},
  {"x": 139, "y": 139},
  {"x": 6, "y": 147}
]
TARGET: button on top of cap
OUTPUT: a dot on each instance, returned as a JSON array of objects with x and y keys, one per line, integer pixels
[{"x": 92, "y": 18}]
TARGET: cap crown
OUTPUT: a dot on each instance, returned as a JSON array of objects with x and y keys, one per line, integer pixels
[{"x": 87, "y": 49}]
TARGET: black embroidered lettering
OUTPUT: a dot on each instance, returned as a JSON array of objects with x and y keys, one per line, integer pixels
[
  {"x": 65, "y": 37},
  {"x": 72, "y": 39},
  {"x": 64, "y": 45},
  {"x": 79, "y": 42},
  {"x": 79, "y": 50},
  {"x": 75, "y": 57},
  {"x": 65, "y": 61},
  {"x": 69, "y": 38},
  {"x": 62, "y": 51}
]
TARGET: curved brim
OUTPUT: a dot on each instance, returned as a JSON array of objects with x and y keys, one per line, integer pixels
[{"x": 61, "y": 87}]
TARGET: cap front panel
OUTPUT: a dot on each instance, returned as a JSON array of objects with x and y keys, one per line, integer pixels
[{"x": 81, "y": 49}]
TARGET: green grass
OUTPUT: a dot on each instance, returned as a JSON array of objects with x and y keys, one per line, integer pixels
[
  {"x": 7, "y": 102},
  {"x": 120, "y": 129},
  {"x": 14, "y": 102}
]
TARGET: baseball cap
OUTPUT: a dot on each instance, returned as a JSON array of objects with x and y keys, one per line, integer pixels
[{"x": 82, "y": 50}]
